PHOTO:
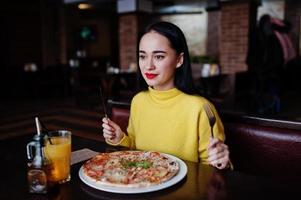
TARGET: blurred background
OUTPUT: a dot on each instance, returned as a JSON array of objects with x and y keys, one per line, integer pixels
[{"x": 55, "y": 54}]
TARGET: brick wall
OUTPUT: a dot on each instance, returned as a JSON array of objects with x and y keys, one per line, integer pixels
[
  {"x": 128, "y": 34},
  {"x": 233, "y": 40},
  {"x": 213, "y": 30}
]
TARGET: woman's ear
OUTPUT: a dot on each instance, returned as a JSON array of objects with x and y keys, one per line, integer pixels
[{"x": 180, "y": 60}]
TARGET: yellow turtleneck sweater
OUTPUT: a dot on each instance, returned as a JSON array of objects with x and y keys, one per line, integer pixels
[{"x": 171, "y": 122}]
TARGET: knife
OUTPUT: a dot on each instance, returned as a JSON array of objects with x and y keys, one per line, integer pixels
[{"x": 103, "y": 103}]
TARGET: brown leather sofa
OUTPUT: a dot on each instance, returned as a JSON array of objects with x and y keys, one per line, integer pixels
[
  {"x": 264, "y": 146},
  {"x": 257, "y": 145}
]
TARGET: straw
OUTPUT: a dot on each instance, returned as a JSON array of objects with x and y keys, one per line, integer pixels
[{"x": 38, "y": 125}]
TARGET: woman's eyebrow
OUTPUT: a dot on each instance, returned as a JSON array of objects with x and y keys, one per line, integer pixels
[
  {"x": 154, "y": 52},
  {"x": 158, "y": 51}
]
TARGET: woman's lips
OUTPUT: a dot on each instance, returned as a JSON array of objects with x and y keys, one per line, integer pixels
[{"x": 150, "y": 75}]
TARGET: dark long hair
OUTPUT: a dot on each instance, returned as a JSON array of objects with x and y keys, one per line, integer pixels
[{"x": 183, "y": 76}]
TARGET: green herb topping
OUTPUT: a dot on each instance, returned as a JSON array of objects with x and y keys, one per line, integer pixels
[{"x": 143, "y": 164}]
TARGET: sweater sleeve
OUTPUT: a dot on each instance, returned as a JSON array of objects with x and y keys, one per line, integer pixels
[{"x": 129, "y": 139}]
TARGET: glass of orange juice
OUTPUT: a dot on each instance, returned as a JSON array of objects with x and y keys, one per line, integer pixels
[{"x": 58, "y": 151}]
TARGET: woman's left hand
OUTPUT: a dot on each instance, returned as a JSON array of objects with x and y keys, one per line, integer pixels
[{"x": 218, "y": 154}]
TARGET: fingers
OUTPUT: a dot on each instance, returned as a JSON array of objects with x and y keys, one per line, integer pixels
[
  {"x": 217, "y": 150},
  {"x": 218, "y": 154},
  {"x": 213, "y": 142},
  {"x": 111, "y": 131},
  {"x": 108, "y": 125},
  {"x": 108, "y": 129},
  {"x": 110, "y": 122},
  {"x": 220, "y": 163}
]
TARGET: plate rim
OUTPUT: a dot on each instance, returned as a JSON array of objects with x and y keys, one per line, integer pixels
[{"x": 115, "y": 189}]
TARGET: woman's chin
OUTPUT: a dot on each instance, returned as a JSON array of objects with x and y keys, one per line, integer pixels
[{"x": 149, "y": 83}]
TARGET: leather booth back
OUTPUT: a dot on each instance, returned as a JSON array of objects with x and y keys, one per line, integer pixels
[
  {"x": 121, "y": 116},
  {"x": 119, "y": 112},
  {"x": 269, "y": 150}
]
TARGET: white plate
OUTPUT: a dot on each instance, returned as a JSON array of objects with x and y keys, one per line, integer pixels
[{"x": 178, "y": 177}]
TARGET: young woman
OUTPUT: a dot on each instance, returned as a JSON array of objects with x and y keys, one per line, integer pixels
[{"x": 169, "y": 116}]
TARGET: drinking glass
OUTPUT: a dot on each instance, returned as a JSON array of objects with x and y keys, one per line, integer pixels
[{"x": 58, "y": 151}]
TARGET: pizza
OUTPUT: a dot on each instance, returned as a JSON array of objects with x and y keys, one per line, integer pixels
[{"x": 132, "y": 169}]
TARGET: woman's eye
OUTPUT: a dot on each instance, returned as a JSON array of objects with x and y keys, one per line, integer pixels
[
  {"x": 159, "y": 57},
  {"x": 141, "y": 57}
]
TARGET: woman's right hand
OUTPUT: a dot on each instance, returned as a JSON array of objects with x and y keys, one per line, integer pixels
[{"x": 111, "y": 131}]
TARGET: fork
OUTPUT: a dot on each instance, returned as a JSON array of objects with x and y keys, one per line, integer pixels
[{"x": 211, "y": 117}]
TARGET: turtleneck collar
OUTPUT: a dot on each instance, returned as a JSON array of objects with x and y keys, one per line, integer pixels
[{"x": 162, "y": 96}]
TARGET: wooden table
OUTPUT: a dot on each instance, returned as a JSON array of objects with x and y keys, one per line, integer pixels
[{"x": 202, "y": 182}]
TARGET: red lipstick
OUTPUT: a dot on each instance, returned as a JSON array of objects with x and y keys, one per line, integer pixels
[{"x": 150, "y": 75}]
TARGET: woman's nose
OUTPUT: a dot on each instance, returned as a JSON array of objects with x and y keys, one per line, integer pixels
[{"x": 150, "y": 65}]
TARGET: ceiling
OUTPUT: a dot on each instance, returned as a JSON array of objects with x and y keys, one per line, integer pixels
[{"x": 158, "y": 6}]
